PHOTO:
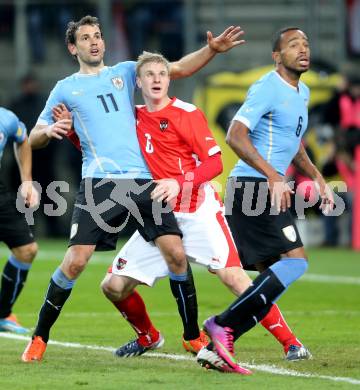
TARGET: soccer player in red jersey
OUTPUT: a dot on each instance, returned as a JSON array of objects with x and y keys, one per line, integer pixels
[{"x": 182, "y": 156}]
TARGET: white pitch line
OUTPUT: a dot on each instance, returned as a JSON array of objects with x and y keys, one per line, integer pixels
[
  {"x": 271, "y": 369},
  {"x": 317, "y": 313},
  {"x": 330, "y": 279}
]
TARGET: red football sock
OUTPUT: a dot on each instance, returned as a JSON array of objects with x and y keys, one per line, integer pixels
[
  {"x": 134, "y": 311},
  {"x": 275, "y": 323}
]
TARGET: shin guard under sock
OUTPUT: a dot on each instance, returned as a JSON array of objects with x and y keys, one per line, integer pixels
[
  {"x": 183, "y": 289},
  {"x": 275, "y": 323},
  {"x": 12, "y": 282},
  {"x": 253, "y": 302},
  {"x": 55, "y": 299},
  {"x": 133, "y": 309}
]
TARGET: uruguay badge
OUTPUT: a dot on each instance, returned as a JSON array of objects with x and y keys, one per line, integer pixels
[{"x": 117, "y": 82}]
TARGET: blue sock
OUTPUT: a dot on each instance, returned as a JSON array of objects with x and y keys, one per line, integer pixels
[
  {"x": 178, "y": 278},
  {"x": 19, "y": 264},
  {"x": 60, "y": 279},
  {"x": 287, "y": 270}
]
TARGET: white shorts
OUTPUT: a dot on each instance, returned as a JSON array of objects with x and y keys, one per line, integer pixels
[{"x": 206, "y": 238}]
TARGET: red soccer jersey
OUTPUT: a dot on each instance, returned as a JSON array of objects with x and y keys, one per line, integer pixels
[{"x": 174, "y": 141}]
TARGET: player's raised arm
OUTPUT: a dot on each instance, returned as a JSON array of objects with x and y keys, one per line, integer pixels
[{"x": 194, "y": 61}]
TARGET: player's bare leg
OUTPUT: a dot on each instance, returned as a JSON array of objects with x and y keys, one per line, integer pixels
[{"x": 235, "y": 278}]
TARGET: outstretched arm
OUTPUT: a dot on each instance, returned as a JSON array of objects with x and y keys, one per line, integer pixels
[{"x": 193, "y": 62}]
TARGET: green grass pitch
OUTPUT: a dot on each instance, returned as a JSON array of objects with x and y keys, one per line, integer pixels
[{"x": 323, "y": 308}]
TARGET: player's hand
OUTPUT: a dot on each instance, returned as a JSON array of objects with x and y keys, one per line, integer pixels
[
  {"x": 59, "y": 129},
  {"x": 165, "y": 190},
  {"x": 29, "y": 194},
  {"x": 326, "y": 195},
  {"x": 60, "y": 112},
  {"x": 280, "y": 193},
  {"x": 61, "y": 116},
  {"x": 225, "y": 41}
]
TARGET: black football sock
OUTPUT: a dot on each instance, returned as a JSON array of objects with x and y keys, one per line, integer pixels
[
  {"x": 252, "y": 321},
  {"x": 183, "y": 289},
  {"x": 252, "y": 304},
  {"x": 55, "y": 299},
  {"x": 12, "y": 282},
  {"x": 50, "y": 310}
]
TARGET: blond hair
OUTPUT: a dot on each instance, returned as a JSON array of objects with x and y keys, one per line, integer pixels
[{"x": 147, "y": 57}]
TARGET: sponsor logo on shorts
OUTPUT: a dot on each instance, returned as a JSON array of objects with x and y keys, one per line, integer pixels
[
  {"x": 290, "y": 233},
  {"x": 215, "y": 260},
  {"x": 74, "y": 230},
  {"x": 120, "y": 264}
]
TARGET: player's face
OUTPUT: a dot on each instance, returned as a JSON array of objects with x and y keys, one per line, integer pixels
[
  {"x": 154, "y": 81},
  {"x": 294, "y": 54},
  {"x": 89, "y": 46}
]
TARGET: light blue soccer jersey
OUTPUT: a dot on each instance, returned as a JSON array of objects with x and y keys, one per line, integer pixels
[
  {"x": 11, "y": 129},
  {"x": 102, "y": 108},
  {"x": 277, "y": 116}
]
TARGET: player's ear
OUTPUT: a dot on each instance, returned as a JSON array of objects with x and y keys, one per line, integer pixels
[
  {"x": 276, "y": 57},
  {"x": 138, "y": 82},
  {"x": 72, "y": 49}
]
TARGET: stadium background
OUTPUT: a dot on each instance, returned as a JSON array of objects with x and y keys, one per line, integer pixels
[{"x": 32, "y": 47}]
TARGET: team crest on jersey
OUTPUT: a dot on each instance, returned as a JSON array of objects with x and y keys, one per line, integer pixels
[
  {"x": 120, "y": 264},
  {"x": 2, "y": 136},
  {"x": 117, "y": 82},
  {"x": 164, "y": 124}
]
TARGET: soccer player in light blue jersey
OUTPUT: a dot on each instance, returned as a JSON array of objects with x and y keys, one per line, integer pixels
[
  {"x": 14, "y": 230},
  {"x": 266, "y": 134},
  {"x": 116, "y": 184}
]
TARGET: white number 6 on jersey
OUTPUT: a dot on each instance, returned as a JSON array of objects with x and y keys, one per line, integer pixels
[{"x": 149, "y": 148}]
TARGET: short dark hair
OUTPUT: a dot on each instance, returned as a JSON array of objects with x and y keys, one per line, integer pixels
[
  {"x": 276, "y": 40},
  {"x": 72, "y": 27}
]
